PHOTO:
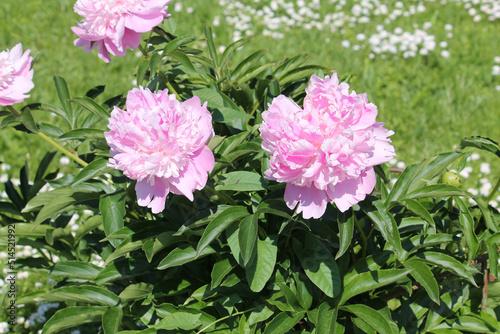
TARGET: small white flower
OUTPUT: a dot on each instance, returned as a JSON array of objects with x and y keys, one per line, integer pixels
[
  {"x": 445, "y": 54},
  {"x": 448, "y": 27},
  {"x": 401, "y": 164},
  {"x": 485, "y": 168},
  {"x": 443, "y": 44},
  {"x": 345, "y": 43},
  {"x": 496, "y": 59},
  {"x": 64, "y": 161},
  {"x": 361, "y": 37},
  {"x": 475, "y": 157}
]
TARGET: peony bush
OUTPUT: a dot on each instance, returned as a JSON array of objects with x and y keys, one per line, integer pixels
[{"x": 223, "y": 197}]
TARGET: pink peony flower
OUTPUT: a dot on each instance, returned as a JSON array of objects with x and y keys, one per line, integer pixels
[
  {"x": 161, "y": 143},
  {"x": 326, "y": 151},
  {"x": 114, "y": 25},
  {"x": 16, "y": 75}
]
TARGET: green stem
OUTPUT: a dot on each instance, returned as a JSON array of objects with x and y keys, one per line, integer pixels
[
  {"x": 144, "y": 52},
  {"x": 362, "y": 234},
  {"x": 14, "y": 111},
  {"x": 169, "y": 86},
  {"x": 52, "y": 142},
  {"x": 221, "y": 195},
  {"x": 62, "y": 149},
  {"x": 223, "y": 318},
  {"x": 493, "y": 191}
]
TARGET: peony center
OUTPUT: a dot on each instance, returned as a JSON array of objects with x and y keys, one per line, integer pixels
[{"x": 6, "y": 70}]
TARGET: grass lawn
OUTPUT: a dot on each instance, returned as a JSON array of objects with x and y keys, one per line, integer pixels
[{"x": 430, "y": 101}]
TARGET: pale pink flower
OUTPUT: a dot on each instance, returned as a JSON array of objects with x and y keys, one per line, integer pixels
[
  {"x": 326, "y": 151},
  {"x": 161, "y": 143},
  {"x": 16, "y": 75},
  {"x": 114, "y": 25}
]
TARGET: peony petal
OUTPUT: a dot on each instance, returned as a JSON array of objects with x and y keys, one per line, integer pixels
[
  {"x": 347, "y": 193},
  {"x": 312, "y": 200},
  {"x": 152, "y": 196}
]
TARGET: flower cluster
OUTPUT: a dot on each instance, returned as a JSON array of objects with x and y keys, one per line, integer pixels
[
  {"x": 326, "y": 151},
  {"x": 114, "y": 25},
  {"x": 16, "y": 75},
  {"x": 161, "y": 143}
]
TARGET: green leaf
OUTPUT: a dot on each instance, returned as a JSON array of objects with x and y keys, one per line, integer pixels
[
  {"x": 112, "y": 207},
  {"x": 228, "y": 115},
  {"x": 176, "y": 43},
  {"x": 136, "y": 291},
  {"x": 437, "y": 190},
  {"x": 76, "y": 269},
  {"x": 346, "y": 230},
  {"x": 242, "y": 181},
  {"x": 420, "y": 210},
  {"x": 219, "y": 224},
  {"x": 211, "y": 46},
  {"x": 58, "y": 202},
  {"x": 304, "y": 290},
  {"x": 83, "y": 294},
  {"x": 247, "y": 237},
  {"x": 319, "y": 265},
  {"x": 373, "y": 318},
  {"x": 63, "y": 93},
  {"x": 261, "y": 267},
  {"x": 28, "y": 120},
  {"x": 423, "y": 275},
  {"x": 447, "y": 262},
  {"x": 180, "y": 320},
  {"x": 385, "y": 222},
  {"x": 82, "y": 134},
  {"x": 93, "y": 107},
  {"x": 184, "y": 60},
  {"x": 93, "y": 169},
  {"x": 283, "y": 322},
  {"x": 182, "y": 255},
  {"x": 467, "y": 223},
  {"x": 220, "y": 270},
  {"x": 369, "y": 281},
  {"x": 111, "y": 320},
  {"x": 246, "y": 63},
  {"x": 482, "y": 143},
  {"x": 212, "y": 96},
  {"x": 72, "y": 317},
  {"x": 327, "y": 317}
]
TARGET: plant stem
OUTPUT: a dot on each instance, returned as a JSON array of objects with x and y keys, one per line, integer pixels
[
  {"x": 221, "y": 195},
  {"x": 144, "y": 52},
  {"x": 62, "y": 149},
  {"x": 493, "y": 191},
  {"x": 169, "y": 86},
  {"x": 223, "y": 318},
  {"x": 362, "y": 234},
  {"x": 52, "y": 142}
]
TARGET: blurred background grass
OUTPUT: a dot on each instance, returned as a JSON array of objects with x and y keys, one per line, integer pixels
[{"x": 430, "y": 102}]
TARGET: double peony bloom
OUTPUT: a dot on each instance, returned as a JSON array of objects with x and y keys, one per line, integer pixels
[
  {"x": 325, "y": 151},
  {"x": 16, "y": 75},
  {"x": 161, "y": 143},
  {"x": 114, "y": 25}
]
